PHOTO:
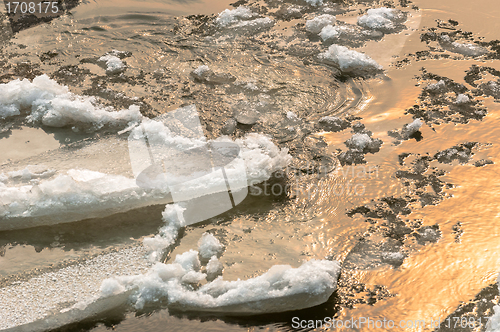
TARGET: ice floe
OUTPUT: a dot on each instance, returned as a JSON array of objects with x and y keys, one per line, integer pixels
[
  {"x": 78, "y": 194},
  {"x": 46, "y": 102},
  {"x": 282, "y": 288}
]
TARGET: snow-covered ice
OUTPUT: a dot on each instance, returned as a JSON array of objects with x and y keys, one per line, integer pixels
[
  {"x": 48, "y": 103},
  {"x": 319, "y": 22},
  {"x": 466, "y": 49},
  {"x": 208, "y": 246},
  {"x": 228, "y": 16},
  {"x": 350, "y": 61},
  {"x": 384, "y": 19},
  {"x": 114, "y": 65},
  {"x": 462, "y": 99}
]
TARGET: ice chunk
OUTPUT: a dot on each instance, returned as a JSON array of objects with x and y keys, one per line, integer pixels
[
  {"x": 461, "y": 48},
  {"x": 462, "y": 99},
  {"x": 319, "y": 22},
  {"x": 333, "y": 123},
  {"x": 114, "y": 65},
  {"x": 214, "y": 268},
  {"x": 262, "y": 157},
  {"x": 208, "y": 246},
  {"x": 384, "y": 19},
  {"x": 53, "y": 105},
  {"x": 201, "y": 70},
  {"x": 228, "y": 17},
  {"x": 350, "y": 61},
  {"x": 315, "y": 3},
  {"x": 358, "y": 141},
  {"x": 188, "y": 260},
  {"x": 411, "y": 128},
  {"x": 436, "y": 87}
]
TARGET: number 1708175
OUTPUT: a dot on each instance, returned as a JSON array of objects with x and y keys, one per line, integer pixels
[{"x": 15, "y": 7}]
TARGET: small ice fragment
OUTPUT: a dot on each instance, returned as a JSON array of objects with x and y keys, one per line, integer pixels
[
  {"x": 358, "y": 141},
  {"x": 315, "y": 3},
  {"x": 350, "y": 61},
  {"x": 114, "y": 65},
  {"x": 208, "y": 246},
  {"x": 381, "y": 19},
  {"x": 228, "y": 17},
  {"x": 319, "y": 22},
  {"x": 462, "y": 99},
  {"x": 436, "y": 87},
  {"x": 411, "y": 128},
  {"x": 214, "y": 268}
]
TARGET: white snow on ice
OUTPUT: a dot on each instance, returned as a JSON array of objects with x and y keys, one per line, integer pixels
[
  {"x": 319, "y": 22},
  {"x": 381, "y": 18},
  {"x": 350, "y": 61},
  {"x": 53, "y": 105},
  {"x": 228, "y": 17}
]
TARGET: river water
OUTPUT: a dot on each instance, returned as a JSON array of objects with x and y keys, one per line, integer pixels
[{"x": 416, "y": 233}]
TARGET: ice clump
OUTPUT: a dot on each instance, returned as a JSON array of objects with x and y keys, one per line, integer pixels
[
  {"x": 242, "y": 19},
  {"x": 383, "y": 19},
  {"x": 53, "y": 105},
  {"x": 214, "y": 268},
  {"x": 315, "y": 3},
  {"x": 333, "y": 123},
  {"x": 319, "y": 22},
  {"x": 282, "y": 288},
  {"x": 436, "y": 87},
  {"x": 464, "y": 49},
  {"x": 350, "y": 61},
  {"x": 261, "y": 156},
  {"x": 462, "y": 99},
  {"x": 228, "y": 17},
  {"x": 209, "y": 246},
  {"x": 359, "y": 144},
  {"x": 174, "y": 219},
  {"x": 204, "y": 74},
  {"x": 409, "y": 130},
  {"x": 114, "y": 65}
]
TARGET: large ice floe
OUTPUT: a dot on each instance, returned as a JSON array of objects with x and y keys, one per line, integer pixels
[
  {"x": 282, "y": 288},
  {"x": 50, "y": 197},
  {"x": 350, "y": 61},
  {"x": 46, "y": 102},
  {"x": 189, "y": 283}
]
